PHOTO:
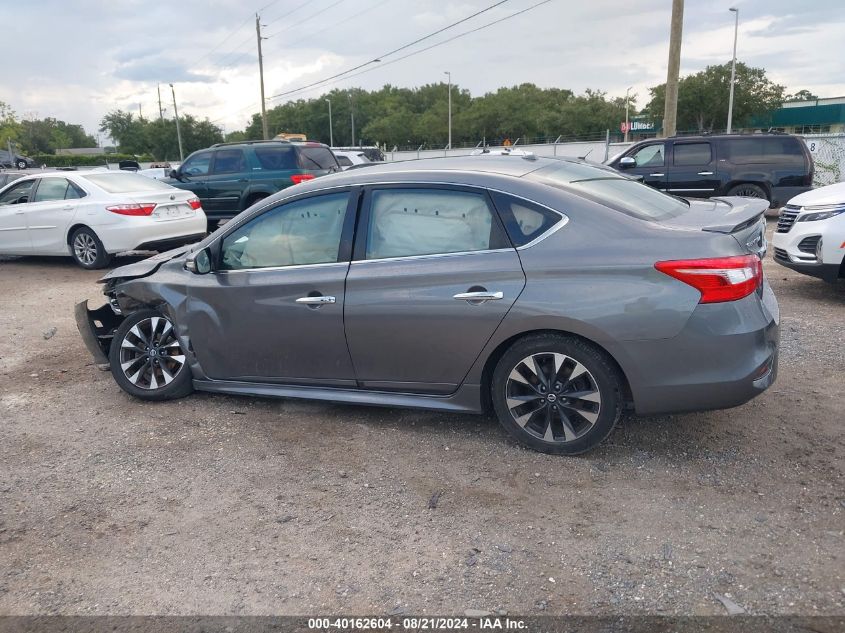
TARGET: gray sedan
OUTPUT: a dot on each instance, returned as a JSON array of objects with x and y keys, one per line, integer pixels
[{"x": 554, "y": 293}]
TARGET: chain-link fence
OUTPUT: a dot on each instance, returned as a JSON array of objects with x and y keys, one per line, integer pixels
[{"x": 828, "y": 152}]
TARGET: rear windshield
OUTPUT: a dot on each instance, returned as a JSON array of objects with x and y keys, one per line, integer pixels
[
  {"x": 741, "y": 151},
  {"x": 622, "y": 194},
  {"x": 272, "y": 158},
  {"x": 317, "y": 158},
  {"x": 122, "y": 182}
]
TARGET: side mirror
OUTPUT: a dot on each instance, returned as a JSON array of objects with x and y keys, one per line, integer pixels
[
  {"x": 174, "y": 173},
  {"x": 627, "y": 162},
  {"x": 199, "y": 263}
]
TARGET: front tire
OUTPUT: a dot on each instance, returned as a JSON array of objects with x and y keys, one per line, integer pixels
[
  {"x": 147, "y": 360},
  {"x": 557, "y": 394},
  {"x": 87, "y": 250},
  {"x": 21, "y": 164}
]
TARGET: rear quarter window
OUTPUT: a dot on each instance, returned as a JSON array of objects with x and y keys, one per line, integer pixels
[
  {"x": 749, "y": 151},
  {"x": 317, "y": 158}
]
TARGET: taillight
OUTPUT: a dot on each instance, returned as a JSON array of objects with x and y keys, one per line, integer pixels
[
  {"x": 195, "y": 203},
  {"x": 298, "y": 178},
  {"x": 718, "y": 279},
  {"x": 144, "y": 208}
]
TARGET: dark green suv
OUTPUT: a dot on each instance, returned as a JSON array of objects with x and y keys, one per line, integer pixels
[{"x": 230, "y": 177}]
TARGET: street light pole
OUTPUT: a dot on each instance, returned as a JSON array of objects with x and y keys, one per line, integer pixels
[
  {"x": 626, "y": 112},
  {"x": 352, "y": 116},
  {"x": 450, "y": 108},
  {"x": 178, "y": 129},
  {"x": 331, "y": 135},
  {"x": 733, "y": 71}
]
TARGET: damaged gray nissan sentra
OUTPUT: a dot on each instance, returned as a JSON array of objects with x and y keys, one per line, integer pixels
[{"x": 553, "y": 292}]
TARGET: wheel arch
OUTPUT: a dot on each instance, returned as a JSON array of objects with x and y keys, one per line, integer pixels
[
  {"x": 493, "y": 358},
  {"x": 73, "y": 228}
]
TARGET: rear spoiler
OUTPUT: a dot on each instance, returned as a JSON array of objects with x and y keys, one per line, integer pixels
[{"x": 744, "y": 212}]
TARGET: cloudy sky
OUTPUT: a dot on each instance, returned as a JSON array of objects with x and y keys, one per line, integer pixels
[{"x": 77, "y": 59}]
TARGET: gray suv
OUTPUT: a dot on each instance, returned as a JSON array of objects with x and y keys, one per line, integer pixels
[{"x": 555, "y": 293}]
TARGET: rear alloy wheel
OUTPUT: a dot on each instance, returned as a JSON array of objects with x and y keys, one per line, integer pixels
[
  {"x": 147, "y": 360},
  {"x": 21, "y": 164},
  {"x": 748, "y": 190},
  {"x": 87, "y": 249},
  {"x": 556, "y": 394}
]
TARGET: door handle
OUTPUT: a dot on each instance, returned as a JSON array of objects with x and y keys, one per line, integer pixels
[
  {"x": 67, "y": 207},
  {"x": 657, "y": 175},
  {"x": 705, "y": 173},
  {"x": 480, "y": 297},
  {"x": 316, "y": 301}
]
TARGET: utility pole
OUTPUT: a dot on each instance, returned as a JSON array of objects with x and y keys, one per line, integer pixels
[
  {"x": 733, "y": 72},
  {"x": 670, "y": 109},
  {"x": 160, "y": 109},
  {"x": 261, "y": 76},
  {"x": 140, "y": 112},
  {"x": 178, "y": 130},
  {"x": 627, "y": 101},
  {"x": 352, "y": 117},
  {"x": 331, "y": 134},
  {"x": 449, "y": 74}
]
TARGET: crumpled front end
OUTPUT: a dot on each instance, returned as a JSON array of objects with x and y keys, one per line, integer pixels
[{"x": 97, "y": 327}]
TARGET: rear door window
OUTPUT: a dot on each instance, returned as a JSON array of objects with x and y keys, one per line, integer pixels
[
  {"x": 316, "y": 158},
  {"x": 692, "y": 154},
  {"x": 51, "y": 189},
  {"x": 276, "y": 158},
  {"x": 408, "y": 222}
]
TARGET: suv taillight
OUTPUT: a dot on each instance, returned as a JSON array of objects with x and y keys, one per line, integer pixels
[
  {"x": 718, "y": 279},
  {"x": 144, "y": 208},
  {"x": 298, "y": 178}
]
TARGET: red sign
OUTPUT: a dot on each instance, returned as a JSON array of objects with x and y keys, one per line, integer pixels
[{"x": 624, "y": 127}]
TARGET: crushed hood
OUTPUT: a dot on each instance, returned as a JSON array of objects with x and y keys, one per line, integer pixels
[{"x": 145, "y": 266}]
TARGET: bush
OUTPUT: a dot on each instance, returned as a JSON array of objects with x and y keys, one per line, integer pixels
[{"x": 67, "y": 160}]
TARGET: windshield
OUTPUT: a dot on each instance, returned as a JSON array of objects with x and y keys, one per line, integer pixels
[
  {"x": 619, "y": 193},
  {"x": 122, "y": 182}
]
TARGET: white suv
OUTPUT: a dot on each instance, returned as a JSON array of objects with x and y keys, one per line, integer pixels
[{"x": 810, "y": 236}]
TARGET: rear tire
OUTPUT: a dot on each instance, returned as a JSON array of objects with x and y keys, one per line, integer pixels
[
  {"x": 21, "y": 164},
  {"x": 87, "y": 250},
  {"x": 557, "y": 394},
  {"x": 147, "y": 360},
  {"x": 748, "y": 190}
]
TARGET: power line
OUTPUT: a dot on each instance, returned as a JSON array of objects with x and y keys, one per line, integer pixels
[
  {"x": 311, "y": 34},
  {"x": 313, "y": 15},
  {"x": 231, "y": 33},
  {"x": 412, "y": 53},
  {"x": 396, "y": 50},
  {"x": 292, "y": 11}
]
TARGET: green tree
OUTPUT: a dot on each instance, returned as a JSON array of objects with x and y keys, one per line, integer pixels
[
  {"x": 801, "y": 95},
  {"x": 10, "y": 129},
  {"x": 703, "y": 97}
]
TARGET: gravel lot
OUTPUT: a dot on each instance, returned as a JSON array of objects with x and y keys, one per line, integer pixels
[{"x": 224, "y": 505}]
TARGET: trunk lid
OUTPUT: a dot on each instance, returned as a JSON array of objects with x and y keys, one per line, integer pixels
[{"x": 741, "y": 218}]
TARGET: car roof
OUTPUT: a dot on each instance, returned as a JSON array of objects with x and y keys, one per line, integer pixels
[
  {"x": 271, "y": 142},
  {"x": 451, "y": 168},
  {"x": 713, "y": 137}
]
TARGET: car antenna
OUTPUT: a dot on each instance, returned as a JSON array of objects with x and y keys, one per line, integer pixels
[{"x": 584, "y": 157}]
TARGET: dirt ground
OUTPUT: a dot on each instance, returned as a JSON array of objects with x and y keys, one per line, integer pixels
[{"x": 225, "y": 505}]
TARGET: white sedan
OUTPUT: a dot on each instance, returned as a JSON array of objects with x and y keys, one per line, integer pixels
[
  {"x": 92, "y": 215},
  {"x": 810, "y": 235}
]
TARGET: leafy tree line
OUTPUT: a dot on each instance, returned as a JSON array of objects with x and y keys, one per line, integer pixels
[
  {"x": 40, "y": 136},
  {"x": 410, "y": 117},
  {"x": 158, "y": 137}
]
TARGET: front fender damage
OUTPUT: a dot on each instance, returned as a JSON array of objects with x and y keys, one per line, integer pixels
[{"x": 96, "y": 327}]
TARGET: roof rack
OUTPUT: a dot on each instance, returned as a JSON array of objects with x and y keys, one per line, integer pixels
[{"x": 249, "y": 142}]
